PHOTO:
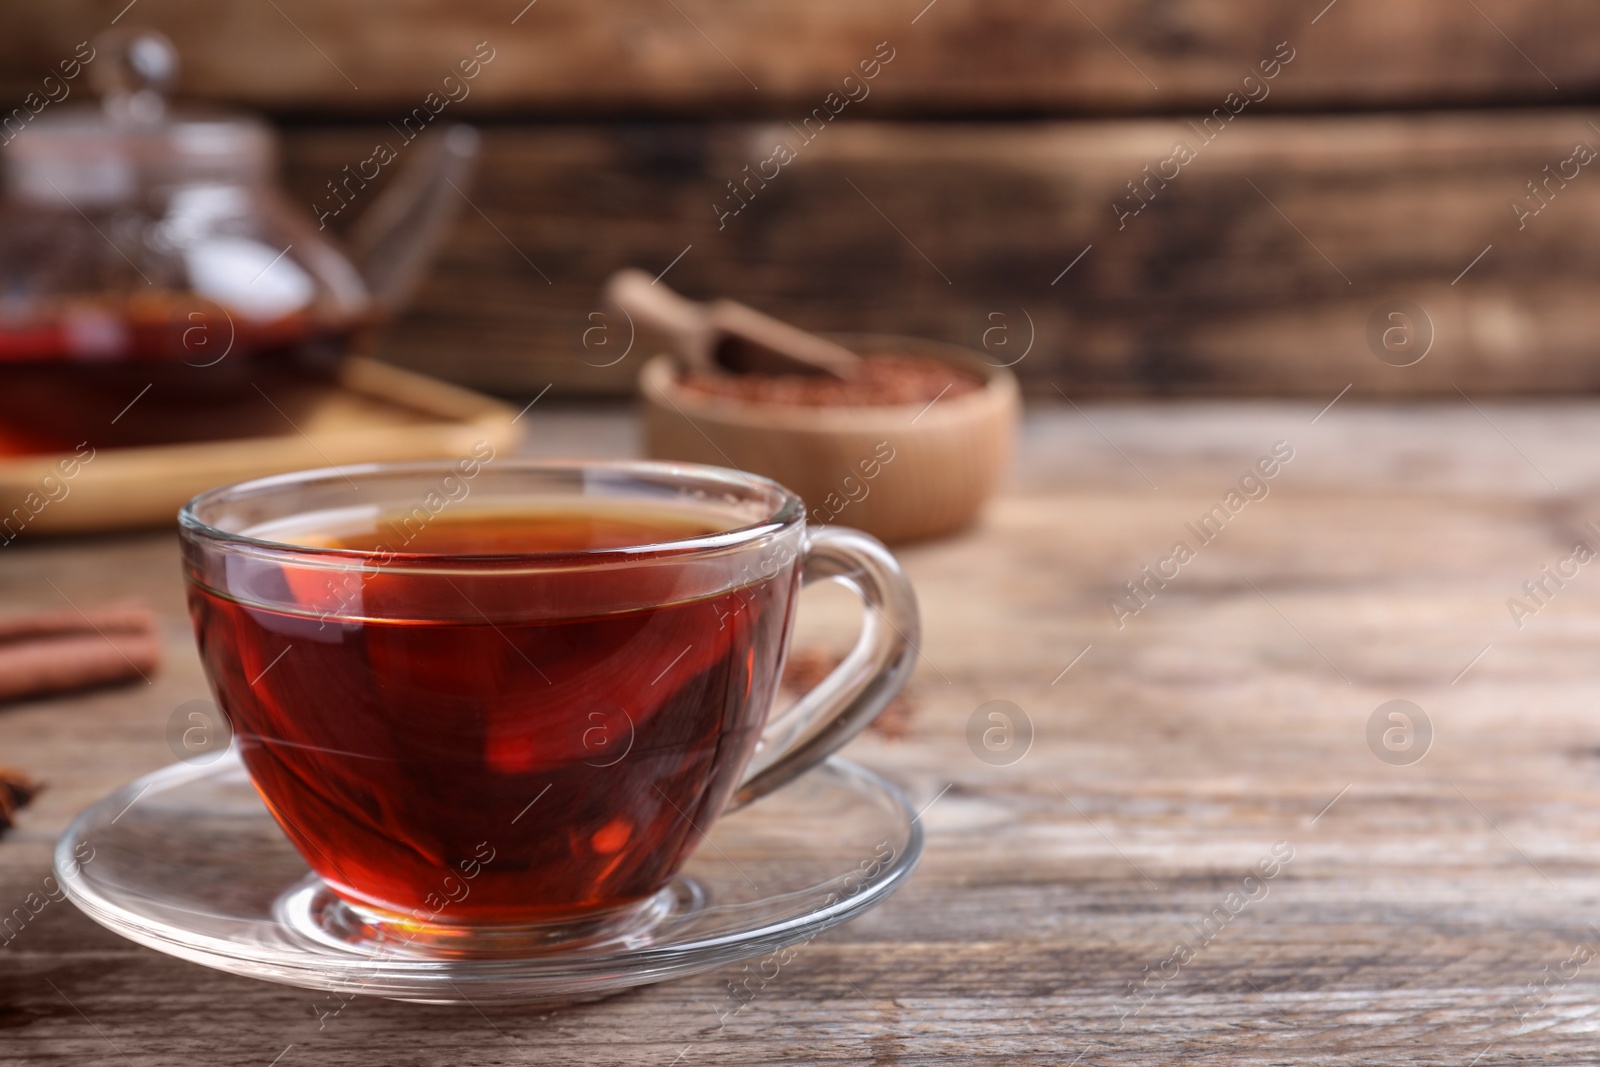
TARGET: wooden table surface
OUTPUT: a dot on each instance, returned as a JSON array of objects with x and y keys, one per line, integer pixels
[{"x": 1056, "y": 919}]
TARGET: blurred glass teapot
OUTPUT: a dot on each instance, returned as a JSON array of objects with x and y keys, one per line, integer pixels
[{"x": 153, "y": 278}]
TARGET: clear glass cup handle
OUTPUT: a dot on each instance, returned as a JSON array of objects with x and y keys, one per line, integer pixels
[{"x": 859, "y": 688}]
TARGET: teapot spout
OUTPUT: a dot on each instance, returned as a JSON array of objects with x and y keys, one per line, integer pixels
[{"x": 395, "y": 239}]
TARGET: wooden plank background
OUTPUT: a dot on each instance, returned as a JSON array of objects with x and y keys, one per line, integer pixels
[
  {"x": 771, "y": 57},
  {"x": 1255, "y": 271},
  {"x": 993, "y": 150}
]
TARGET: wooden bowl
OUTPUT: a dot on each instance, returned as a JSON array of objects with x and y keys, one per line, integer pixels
[{"x": 900, "y": 473}]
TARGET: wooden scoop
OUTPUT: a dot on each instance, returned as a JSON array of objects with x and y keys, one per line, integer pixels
[{"x": 726, "y": 336}]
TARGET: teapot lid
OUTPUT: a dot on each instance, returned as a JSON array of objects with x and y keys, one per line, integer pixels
[{"x": 135, "y": 139}]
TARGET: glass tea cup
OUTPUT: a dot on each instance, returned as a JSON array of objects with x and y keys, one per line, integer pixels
[{"x": 495, "y": 704}]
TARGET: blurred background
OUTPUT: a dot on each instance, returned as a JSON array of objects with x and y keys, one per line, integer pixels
[
  {"x": 1008, "y": 178},
  {"x": 1182, "y": 231}
]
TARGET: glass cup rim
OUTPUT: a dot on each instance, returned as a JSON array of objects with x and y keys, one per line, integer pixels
[{"x": 787, "y": 512}]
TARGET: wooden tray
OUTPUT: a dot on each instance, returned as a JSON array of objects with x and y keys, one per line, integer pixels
[{"x": 376, "y": 412}]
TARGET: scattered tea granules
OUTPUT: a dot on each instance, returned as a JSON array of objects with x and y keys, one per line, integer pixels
[
  {"x": 885, "y": 379},
  {"x": 808, "y": 666}
]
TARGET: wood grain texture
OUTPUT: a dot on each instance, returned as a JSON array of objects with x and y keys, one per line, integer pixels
[
  {"x": 1418, "y": 906},
  {"x": 766, "y": 57},
  {"x": 1255, "y": 270}
]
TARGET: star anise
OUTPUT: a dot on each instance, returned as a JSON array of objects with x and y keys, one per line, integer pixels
[{"x": 16, "y": 789}]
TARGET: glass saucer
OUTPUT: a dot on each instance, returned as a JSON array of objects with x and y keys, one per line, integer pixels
[{"x": 188, "y": 862}]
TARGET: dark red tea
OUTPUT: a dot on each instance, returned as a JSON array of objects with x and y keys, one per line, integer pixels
[
  {"x": 161, "y": 366},
  {"x": 464, "y": 747}
]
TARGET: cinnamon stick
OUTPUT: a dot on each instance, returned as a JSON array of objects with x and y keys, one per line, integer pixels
[
  {"x": 55, "y": 652},
  {"x": 122, "y": 617}
]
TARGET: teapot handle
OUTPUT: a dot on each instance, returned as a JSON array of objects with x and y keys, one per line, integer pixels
[{"x": 394, "y": 240}]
